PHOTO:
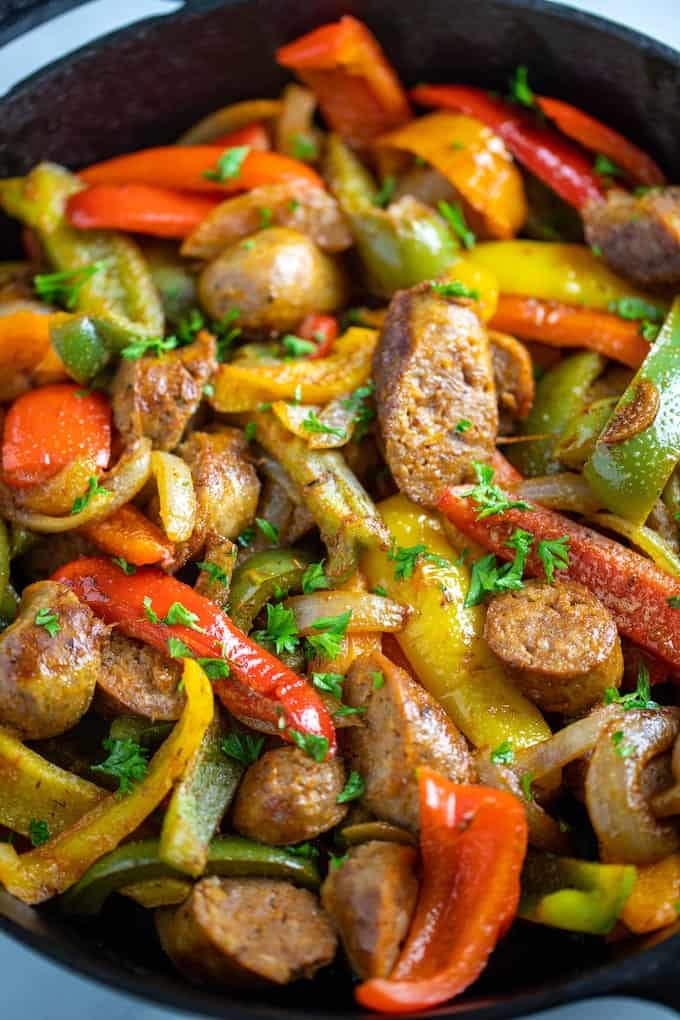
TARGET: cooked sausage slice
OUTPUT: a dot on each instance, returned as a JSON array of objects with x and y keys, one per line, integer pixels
[
  {"x": 247, "y": 931},
  {"x": 370, "y": 899},
  {"x": 48, "y": 671},
  {"x": 639, "y": 235},
  {"x": 513, "y": 375},
  {"x": 287, "y": 797},
  {"x": 559, "y": 643},
  {"x": 156, "y": 397},
  {"x": 403, "y": 727},
  {"x": 136, "y": 679},
  {"x": 432, "y": 369}
]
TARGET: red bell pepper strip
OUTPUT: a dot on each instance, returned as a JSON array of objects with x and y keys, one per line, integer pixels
[
  {"x": 183, "y": 168},
  {"x": 597, "y": 137},
  {"x": 473, "y": 841},
  {"x": 634, "y": 589},
  {"x": 139, "y": 602},
  {"x": 322, "y": 329},
  {"x": 357, "y": 89},
  {"x": 561, "y": 165},
  {"x": 48, "y": 427},
  {"x": 139, "y": 209},
  {"x": 253, "y": 135}
]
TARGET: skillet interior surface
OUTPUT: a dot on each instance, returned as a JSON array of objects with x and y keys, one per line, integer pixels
[{"x": 145, "y": 84}]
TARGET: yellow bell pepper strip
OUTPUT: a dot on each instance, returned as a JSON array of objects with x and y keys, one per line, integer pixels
[
  {"x": 25, "y": 353},
  {"x": 35, "y": 876},
  {"x": 569, "y": 273},
  {"x": 653, "y": 903},
  {"x": 574, "y": 895},
  {"x": 33, "y": 788},
  {"x": 469, "y": 155},
  {"x": 560, "y": 396},
  {"x": 480, "y": 282},
  {"x": 443, "y": 639},
  {"x": 227, "y": 856},
  {"x": 198, "y": 803},
  {"x": 244, "y": 385},
  {"x": 637, "y": 452},
  {"x": 108, "y": 276}
]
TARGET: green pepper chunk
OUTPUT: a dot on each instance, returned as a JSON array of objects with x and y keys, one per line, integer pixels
[
  {"x": 142, "y": 731},
  {"x": 398, "y": 246},
  {"x": 86, "y": 344},
  {"x": 174, "y": 281},
  {"x": 637, "y": 453},
  {"x": 575, "y": 895},
  {"x": 560, "y": 396},
  {"x": 227, "y": 855},
  {"x": 261, "y": 578},
  {"x": 366, "y": 832},
  {"x": 577, "y": 442}
]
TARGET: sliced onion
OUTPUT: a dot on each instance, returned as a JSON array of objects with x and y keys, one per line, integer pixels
[
  {"x": 176, "y": 495},
  {"x": 369, "y": 612},
  {"x": 568, "y": 744},
  {"x": 625, "y": 826},
  {"x": 123, "y": 483},
  {"x": 296, "y": 119},
  {"x": 335, "y": 416},
  {"x": 564, "y": 491},
  {"x": 645, "y": 539},
  {"x": 57, "y": 494},
  {"x": 230, "y": 118}
]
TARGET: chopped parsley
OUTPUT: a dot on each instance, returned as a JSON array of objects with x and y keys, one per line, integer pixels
[
  {"x": 250, "y": 431},
  {"x": 503, "y": 754},
  {"x": 293, "y": 205},
  {"x": 406, "y": 558},
  {"x": 242, "y": 747},
  {"x": 463, "y": 425},
  {"x": 303, "y": 147},
  {"x": 93, "y": 489},
  {"x": 281, "y": 630},
  {"x": 554, "y": 555},
  {"x": 152, "y": 345},
  {"x": 47, "y": 619},
  {"x": 329, "y": 642},
  {"x": 488, "y": 578},
  {"x": 387, "y": 189},
  {"x": 336, "y": 861},
  {"x": 379, "y": 590},
  {"x": 457, "y": 146},
  {"x": 179, "y": 614},
  {"x": 38, "y": 832},
  {"x": 455, "y": 288},
  {"x": 268, "y": 530},
  {"x": 126, "y": 567},
  {"x": 635, "y": 308},
  {"x": 623, "y": 750},
  {"x": 345, "y": 710},
  {"x": 127, "y": 762},
  {"x": 314, "y": 578},
  {"x": 266, "y": 217},
  {"x": 526, "y": 779},
  {"x": 377, "y": 679},
  {"x": 216, "y": 574},
  {"x": 605, "y": 167},
  {"x": 489, "y": 498},
  {"x": 520, "y": 89},
  {"x": 150, "y": 614},
  {"x": 214, "y": 669},
  {"x": 229, "y": 164},
  {"x": 353, "y": 789},
  {"x": 311, "y": 423},
  {"x": 296, "y": 346},
  {"x": 596, "y": 250},
  {"x": 330, "y": 683},
  {"x": 208, "y": 390},
  {"x": 246, "y": 537},
  {"x": 189, "y": 325},
  {"x": 227, "y": 333},
  {"x": 649, "y": 330},
  {"x": 306, "y": 850},
  {"x": 639, "y": 698},
  {"x": 455, "y": 217},
  {"x": 362, "y": 412},
  {"x": 64, "y": 288},
  {"x": 313, "y": 746},
  {"x": 674, "y": 601},
  {"x": 178, "y": 650}
]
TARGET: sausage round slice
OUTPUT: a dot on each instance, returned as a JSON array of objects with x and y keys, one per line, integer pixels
[
  {"x": 139, "y": 680},
  {"x": 370, "y": 899},
  {"x": 513, "y": 375},
  {"x": 287, "y": 797},
  {"x": 48, "y": 670},
  {"x": 432, "y": 370},
  {"x": 403, "y": 727},
  {"x": 559, "y": 643},
  {"x": 247, "y": 931}
]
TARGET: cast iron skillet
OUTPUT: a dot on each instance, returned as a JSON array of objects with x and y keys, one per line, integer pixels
[{"x": 144, "y": 85}]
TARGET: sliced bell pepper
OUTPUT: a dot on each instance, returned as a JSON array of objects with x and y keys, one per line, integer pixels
[
  {"x": 630, "y": 467},
  {"x": 555, "y": 324},
  {"x": 561, "y": 165},
  {"x": 185, "y": 168},
  {"x": 597, "y": 137},
  {"x": 560, "y": 396},
  {"x": 47, "y": 428},
  {"x": 635, "y": 591},
  {"x": 442, "y": 639},
  {"x": 358, "y": 91},
  {"x": 473, "y": 841},
  {"x": 86, "y": 344},
  {"x": 258, "y": 578},
  {"x": 323, "y": 330},
  {"x": 127, "y": 532},
  {"x": 469, "y": 155},
  {"x": 52, "y": 868},
  {"x": 254, "y": 135},
  {"x": 123, "y": 600},
  {"x": 574, "y": 895},
  {"x": 230, "y": 118},
  {"x": 578, "y": 439},
  {"x": 25, "y": 352},
  {"x": 138, "y": 208}
]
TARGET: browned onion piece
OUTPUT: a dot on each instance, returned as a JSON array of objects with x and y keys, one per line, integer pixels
[
  {"x": 564, "y": 491},
  {"x": 623, "y": 821},
  {"x": 369, "y": 612},
  {"x": 568, "y": 744}
]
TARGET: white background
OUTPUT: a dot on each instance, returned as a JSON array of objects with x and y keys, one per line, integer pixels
[{"x": 32, "y": 987}]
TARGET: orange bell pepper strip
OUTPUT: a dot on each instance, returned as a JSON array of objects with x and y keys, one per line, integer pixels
[
  {"x": 184, "y": 168},
  {"x": 552, "y": 158},
  {"x": 358, "y": 91},
  {"x": 25, "y": 350},
  {"x": 473, "y": 841},
  {"x": 253, "y": 135},
  {"x": 48, "y": 427},
  {"x": 131, "y": 535},
  {"x": 322, "y": 329},
  {"x": 597, "y": 137},
  {"x": 139, "y": 209},
  {"x": 559, "y": 325},
  {"x": 634, "y": 589},
  {"x": 139, "y": 603}
]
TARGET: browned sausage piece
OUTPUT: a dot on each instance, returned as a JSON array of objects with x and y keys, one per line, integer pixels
[
  {"x": 370, "y": 899},
  {"x": 403, "y": 727},
  {"x": 513, "y": 375},
  {"x": 639, "y": 236},
  {"x": 48, "y": 671},
  {"x": 247, "y": 931},
  {"x": 287, "y": 797},
  {"x": 136, "y": 679},
  {"x": 559, "y": 643},
  {"x": 432, "y": 370},
  {"x": 156, "y": 397}
]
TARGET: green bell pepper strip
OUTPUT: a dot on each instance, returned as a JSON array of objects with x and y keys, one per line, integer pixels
[
  {"x": 260, "y": 578},
  {"x": 9, "y": 603},
  {"x": 560, "y": 396},
  {"x": 142, "y": 731},
  {"x": 398, "y": 247},
  {"x": 171, "y": 274},
  {"x": 577, "y": 442},
  {"x": 629, "y": 476},
  {"x": 5, "y": 549},
  {"x": 227, "y": 856},
  {"x": 671, "y": 495},
  {"x": 122, "y": 289},
  {"x": 21, "y": 540},
  {"x": 366, "y": 832},
  {"x": 198, "y": 803},
  {"x": 574, "y": 895},
  {"x": 87, "y": 344}
]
